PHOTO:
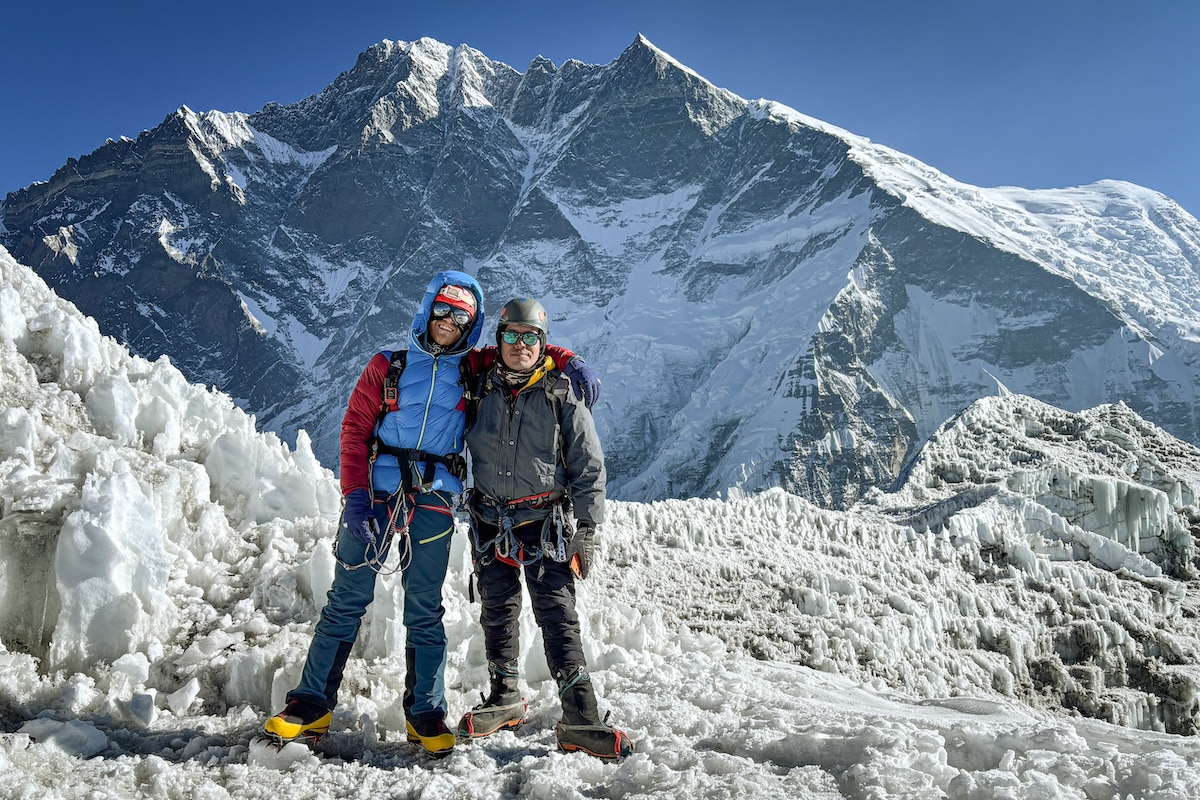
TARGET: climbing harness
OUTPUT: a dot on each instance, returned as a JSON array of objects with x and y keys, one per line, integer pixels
[{"x": 557, "y": 530}]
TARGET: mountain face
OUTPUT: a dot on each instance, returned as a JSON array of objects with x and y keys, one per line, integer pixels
[{"x": 770, "y": 300}]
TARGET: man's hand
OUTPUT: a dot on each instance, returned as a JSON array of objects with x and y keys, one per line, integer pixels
[
  {"x": 357, "y": 515},
  {"x": 584, "y": 380},
  {"x": 581, "y": 552}
]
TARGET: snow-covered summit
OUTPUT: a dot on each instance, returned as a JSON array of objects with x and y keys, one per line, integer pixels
[{"x": 773, "y": 300}]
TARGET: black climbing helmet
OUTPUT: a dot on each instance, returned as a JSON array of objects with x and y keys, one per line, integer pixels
[{"x": 523, "y": 311}]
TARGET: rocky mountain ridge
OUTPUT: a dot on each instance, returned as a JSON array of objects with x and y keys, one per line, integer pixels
[{"x": 771, "y": 300}]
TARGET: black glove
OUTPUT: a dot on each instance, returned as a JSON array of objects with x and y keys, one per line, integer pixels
[{"x": 581, "y": 552}]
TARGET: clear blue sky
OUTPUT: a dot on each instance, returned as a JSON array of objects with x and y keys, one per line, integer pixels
[{"x": 1038, "y": 94}]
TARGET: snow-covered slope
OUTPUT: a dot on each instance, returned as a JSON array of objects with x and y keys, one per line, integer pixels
[
  {"x": 161, "y": 565},
  {"x": 771, "y": 300}
]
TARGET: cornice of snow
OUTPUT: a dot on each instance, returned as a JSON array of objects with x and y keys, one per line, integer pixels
[{"x": 1108, "y": 238}]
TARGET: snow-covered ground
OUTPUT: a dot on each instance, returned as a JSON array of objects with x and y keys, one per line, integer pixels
[{"x": 1020, "y": 620}]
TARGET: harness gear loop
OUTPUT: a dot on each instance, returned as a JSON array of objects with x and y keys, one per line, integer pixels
[
  {"x": 556, "y": 533},
  {"x": 376, "y": 552}
]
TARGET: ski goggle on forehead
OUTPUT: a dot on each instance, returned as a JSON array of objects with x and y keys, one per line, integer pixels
[
  {"x": 529, "y": 338},
  {"x": 457, "y": 315}
]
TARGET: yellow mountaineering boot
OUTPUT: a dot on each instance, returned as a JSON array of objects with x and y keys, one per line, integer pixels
[
  {"x": 299, "y": 721},
  {"x": 431, "y": 734}
]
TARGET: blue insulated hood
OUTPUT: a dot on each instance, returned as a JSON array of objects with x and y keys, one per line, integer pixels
[{"x": 449, "y": 277}]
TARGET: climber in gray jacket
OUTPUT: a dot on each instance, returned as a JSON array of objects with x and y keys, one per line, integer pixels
[{"x": 538, "y": 496}]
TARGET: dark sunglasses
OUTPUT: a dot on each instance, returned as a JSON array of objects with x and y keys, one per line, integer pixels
[
  {"x": 529, "y": 339},
  {"x": 457, "y": 315}
]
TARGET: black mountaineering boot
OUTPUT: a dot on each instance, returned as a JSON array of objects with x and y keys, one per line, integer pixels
[
  {"x": 581, "y": 728},
  {"x": 503, "y": 708}
]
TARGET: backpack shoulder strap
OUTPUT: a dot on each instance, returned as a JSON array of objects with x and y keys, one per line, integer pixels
[
  {"x": 390, "y": 400},
  {"x": 556, "y": 384},
  {"x": 473, "y": 386}
]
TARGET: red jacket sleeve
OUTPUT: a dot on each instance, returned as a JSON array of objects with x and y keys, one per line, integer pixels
[
  {"x": 561, "y": 355},
  {"x": 358, "y": 424},
  {"x": 479, "y": 361}
]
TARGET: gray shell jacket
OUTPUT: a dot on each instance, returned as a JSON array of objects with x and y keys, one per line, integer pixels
[{"x": 521, "y": 447}]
